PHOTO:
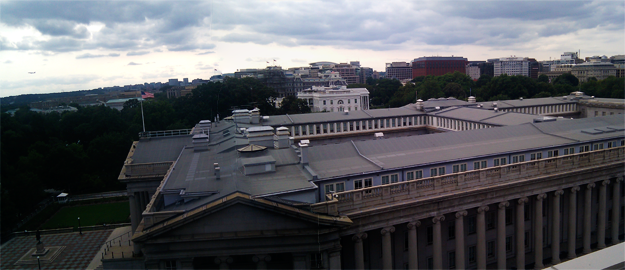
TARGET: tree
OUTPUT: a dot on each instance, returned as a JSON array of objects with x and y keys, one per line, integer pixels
[
  {"x": 294, "y": 105},
  {"x": 567, "y": 79},
  {"x": 543, "y": 78}
]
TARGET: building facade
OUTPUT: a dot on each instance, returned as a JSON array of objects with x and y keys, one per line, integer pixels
[
  {"x": 495, "y": 189},
  {"x": 438, "y": 65},
  {"x": 512, "y": 66},
  {"x": 598, "y": 70},
  {"x": 335, "y": 98},
  {"x": 399, "y": 71}
]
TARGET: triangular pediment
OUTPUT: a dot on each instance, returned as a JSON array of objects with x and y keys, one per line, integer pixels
[{"x": 239, "y": 215}]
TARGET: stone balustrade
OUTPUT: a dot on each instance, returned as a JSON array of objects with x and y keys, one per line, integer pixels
[{"x": 361, "y": 199}]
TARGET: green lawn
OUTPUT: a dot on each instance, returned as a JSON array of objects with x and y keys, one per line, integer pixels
[{"x": 96, "y": 214}]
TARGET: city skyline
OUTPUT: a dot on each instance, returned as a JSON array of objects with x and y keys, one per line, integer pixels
[{"x": 85, "y": 45}]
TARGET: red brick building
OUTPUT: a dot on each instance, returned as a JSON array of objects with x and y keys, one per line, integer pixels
[{"x": 438, "y": 65}]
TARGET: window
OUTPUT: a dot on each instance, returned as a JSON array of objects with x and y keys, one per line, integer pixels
[
  {"x": 434, "y": 172},
  {"x": 584, "y": 148},
  {"x": 324, "y": 102},
  {"x": 490, "y": 220},
  {"x": 349, "y": 101},
  {"x": 499, "y": 161},
  {"x": 480, "y": 164},
  {"x": 170, "y": 264},
  {"x": 508, "y": 216},
  {"x": 508, "y": 244},
  {"x": 430, "y": 263},
  {"x": 526, "y": 213},
  {"x": 471, "y": 227},
  {"x": 622, "y": 142},
  {"x": 536, "y": 156},
  {"x": 569, "y": 151},
  {"x": 394, "y": 178},
  {"x": 452, "y": 259},
  {"x": 611, "y": 144},
  {"x": 355, "y": 100},
  {"x": 517, "y": 159},
  {"x": 527, "y": 239},
  {"x": 414, "y": 175},
  {"x": 331, "y": 102},
  {"x": 552, "y": 153},
  {"x": 335, "y": 187},
  {"x": 451, "y": 231},
  {"x": 406, "y": 240},
  {"x": 459, "y": 168},
  {"x": 597, "y": 146},
  {"x": 472, "y": 254},
  {"x": 490, "y": 249},
  {"x": 430, "y": 235},
  {"x": 363, "y": 183}
]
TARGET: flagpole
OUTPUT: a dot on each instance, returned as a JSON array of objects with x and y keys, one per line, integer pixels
[{"x": 142, "y": 118}]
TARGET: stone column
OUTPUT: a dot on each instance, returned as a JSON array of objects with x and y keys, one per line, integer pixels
[
  {"x": 413, "y": 256},
  {"x": 438, "y": 245},
  {"x": 520, "y": 233},
  {"x": 481, "y": 237},
  {"x": 555, "y": 233},
  {"x": 587, "y": 216},
  {"x": 572, "y": 222},
  {"x": 387, "y": 256},
  {"x": 501, "y": 235},
  {"x": 460, "y": 239},
  {"x": 616, "y": 206},
  {"x": 261, "y": 261},
  {"x": 334, "y": 256},
  {"x": 358, "y": 250},
  {"x": 602, "y": 213},
  {"x": 223, "y": 262},
  {"x": 300, "y": 261},
  {"x": 538, "y": 232},
  {"x": 134, "y": 212}
]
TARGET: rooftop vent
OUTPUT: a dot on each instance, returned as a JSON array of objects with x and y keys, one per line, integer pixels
[
  {"x": 379, "y": 135},
  {"x": 521, "y": 98},
  {"x": 200, "y": 142},
  {"x": 496, "y": 110}
]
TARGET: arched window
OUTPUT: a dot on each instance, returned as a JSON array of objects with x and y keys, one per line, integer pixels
[{"x": 340, "y": 102}]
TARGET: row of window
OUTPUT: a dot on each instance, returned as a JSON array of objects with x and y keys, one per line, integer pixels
[
  {"x": 349, "y": 101},
  {"x": 462, "y": 167}
]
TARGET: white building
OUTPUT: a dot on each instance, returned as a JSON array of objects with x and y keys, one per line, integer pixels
[
  {"x": 512, "y": 66},
  {"x": 335, "y": 98}
]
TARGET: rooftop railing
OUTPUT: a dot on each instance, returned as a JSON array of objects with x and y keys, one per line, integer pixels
[
  {"x": 164, "y": 133},
  {"x": 447, "y": 184}
]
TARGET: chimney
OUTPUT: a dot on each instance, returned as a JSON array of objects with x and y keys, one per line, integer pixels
[
  {"x": 217, "y": 173},
  {"x": 303, "y": 146},
  {"x": 419, "y": 105}
]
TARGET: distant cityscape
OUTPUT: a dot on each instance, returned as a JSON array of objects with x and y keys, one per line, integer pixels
[{"x": 294, "y": 80}]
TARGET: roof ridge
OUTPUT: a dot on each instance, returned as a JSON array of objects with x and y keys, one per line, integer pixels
[{"x": 363, "y": 156}]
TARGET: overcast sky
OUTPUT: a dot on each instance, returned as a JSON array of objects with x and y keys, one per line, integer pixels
[{"x": 80, "y": 45}]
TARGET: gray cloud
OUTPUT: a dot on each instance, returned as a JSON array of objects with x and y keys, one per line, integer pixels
[
  {"x": 88, "y": 55},
  {"x": 137, "y": 53},
  {"x": 137, "y": 26},
  {"x": 134, "y": 64},
  {"x": 205, "y": 53}
]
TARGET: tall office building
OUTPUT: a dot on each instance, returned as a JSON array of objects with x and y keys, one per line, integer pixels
[{"x": 438, "y": 65}]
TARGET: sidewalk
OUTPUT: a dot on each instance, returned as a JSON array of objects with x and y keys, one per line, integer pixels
[
  {"x": 78, "y": 252},
  {"x": 96, "y": 262}
]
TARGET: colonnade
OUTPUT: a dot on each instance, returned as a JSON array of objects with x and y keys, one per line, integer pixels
[
  {"x": 357, "y": 125},
  {"x": 503, "y": 259},
  {"x": 138, "y": 202},
  {"x": 545, "y": 109}
]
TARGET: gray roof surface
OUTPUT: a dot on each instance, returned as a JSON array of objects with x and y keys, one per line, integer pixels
[
  {"x": 324, "y": 117},
  {"x": 341, "y": 159},
  {"x": 514, "y": 103},
  {"x": 486, "y": 116},
  {"x": 160, "y": 149},
  {"x": 444, "y": 102}
]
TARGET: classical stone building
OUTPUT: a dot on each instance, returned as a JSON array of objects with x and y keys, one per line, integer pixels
[
  {"x": 492, "y": 185},
  {"x": 335, "y": 99}
]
